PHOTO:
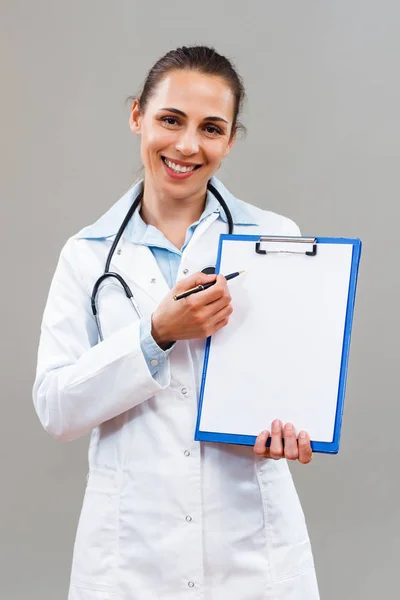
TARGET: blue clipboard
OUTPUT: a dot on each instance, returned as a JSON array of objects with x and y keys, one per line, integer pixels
[{"x": 317, "y": 446}]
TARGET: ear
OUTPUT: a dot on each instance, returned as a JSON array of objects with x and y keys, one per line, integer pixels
[
  {"x": 231, "y": 142},
  {"x": 135, "y": 118}
]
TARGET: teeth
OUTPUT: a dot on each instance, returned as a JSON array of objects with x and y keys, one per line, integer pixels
[{"x": 178, "y": 168}]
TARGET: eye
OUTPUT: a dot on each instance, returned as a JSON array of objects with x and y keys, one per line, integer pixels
[
  {"x": 169, "y": 120},
  {"x": 213, "y": 129}
]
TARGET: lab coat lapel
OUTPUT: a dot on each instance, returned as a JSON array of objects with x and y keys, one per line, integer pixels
[
  {"x": 202, "y": 249},
  {"x": 136, "y": 263}
]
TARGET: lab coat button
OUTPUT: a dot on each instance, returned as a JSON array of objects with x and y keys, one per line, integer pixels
[
  {"x": 184, "y": 391},
  {"x": 187, "y": 453},
  {"x": 188, "y": 519},
  {"x": 185, "y": 271},
  {"x": 190, "y": 584},
  {"x": 153, "y": 280},
  {"x": 154, "y": 362}
]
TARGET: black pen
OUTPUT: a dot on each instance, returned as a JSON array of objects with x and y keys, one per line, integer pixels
[{"x": 199, "y": 288}]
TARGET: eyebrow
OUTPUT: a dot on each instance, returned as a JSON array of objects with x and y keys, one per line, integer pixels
[{"x": 182, "y": 114}]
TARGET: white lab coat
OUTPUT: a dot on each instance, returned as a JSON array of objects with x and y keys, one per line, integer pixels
[{"x": 163, "y": 517}]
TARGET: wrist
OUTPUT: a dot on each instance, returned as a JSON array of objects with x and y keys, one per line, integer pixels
[{"x": 159, "y": 335}]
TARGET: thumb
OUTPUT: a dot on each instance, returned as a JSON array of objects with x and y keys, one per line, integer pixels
[{"x": 191, "y": 281}]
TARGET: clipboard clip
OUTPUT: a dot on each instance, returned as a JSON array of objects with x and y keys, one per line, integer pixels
[{"x": 286, "y": 240}]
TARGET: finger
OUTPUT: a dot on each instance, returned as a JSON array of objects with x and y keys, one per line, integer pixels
[
  {"x": 291, "y": 448},
  {"x": 260, "y": 446},
  {"x": 222, "y": 323},
  {"x": 305, "y": 451},
  {"x": 206, "y": 298},
  {"x": 215, "y": 307},
  {"x": 222, "y": 313},
  {"x": 276, "y": 448},
  {"x": 217, "y": 291},
  {"x": 191, "y": 281}
]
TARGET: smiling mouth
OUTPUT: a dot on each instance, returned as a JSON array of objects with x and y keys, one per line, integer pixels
[{"x": 179, "y": 168}]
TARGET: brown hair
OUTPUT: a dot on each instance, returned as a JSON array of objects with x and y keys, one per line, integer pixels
[{"x": 203, "y": 59}]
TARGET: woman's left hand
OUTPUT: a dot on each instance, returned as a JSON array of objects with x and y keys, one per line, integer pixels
[{"x": 292, "y": 449}]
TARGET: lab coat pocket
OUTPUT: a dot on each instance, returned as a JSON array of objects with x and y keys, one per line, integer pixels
[
  {"x": 96, "y": 544},
  {"x": 289, "y": 549}
]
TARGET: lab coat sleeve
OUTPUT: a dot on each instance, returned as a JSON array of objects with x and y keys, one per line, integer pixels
[
  {"x": 154, "y": 355},
  {"x": 81, "y": 383},
  {"x": 291, "y": 228}
]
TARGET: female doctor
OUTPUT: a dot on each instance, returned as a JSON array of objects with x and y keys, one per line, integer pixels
[{"x": 165, "y": 517}]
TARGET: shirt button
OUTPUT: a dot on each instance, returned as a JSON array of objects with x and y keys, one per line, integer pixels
[
  {"x": 190, "y": 584},
  {"x": 188, "y": 519},
  {"x": 185, "y": 272},
  {"x": 184, "y": 391},
  {"x": 187, "y": 453},
  {"x": 154, "y": 362}
]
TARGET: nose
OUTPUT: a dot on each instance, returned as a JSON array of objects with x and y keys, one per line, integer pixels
[{"x": 187, "y": 143}]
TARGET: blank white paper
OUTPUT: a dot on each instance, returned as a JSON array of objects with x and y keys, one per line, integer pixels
[{"x": 280, "y": 354}]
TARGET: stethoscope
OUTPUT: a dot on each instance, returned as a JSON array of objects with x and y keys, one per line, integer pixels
[{"x": 107, "y": 273}]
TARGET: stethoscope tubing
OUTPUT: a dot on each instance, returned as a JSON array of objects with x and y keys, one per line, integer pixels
[{"x": 107, "y": 273}]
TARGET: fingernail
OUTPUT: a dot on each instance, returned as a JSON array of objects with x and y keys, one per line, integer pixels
[
  {"x": 289, "y": 427},
  {"x": 302, "y": 435},
  {"x": 276, "y": 425}
]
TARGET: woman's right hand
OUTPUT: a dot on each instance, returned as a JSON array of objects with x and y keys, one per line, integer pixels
[{"x": 197, "y": 316}]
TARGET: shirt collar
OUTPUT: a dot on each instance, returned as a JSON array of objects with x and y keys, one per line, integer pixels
[
  {"x": 110, "y": 222},
  {"x": 141, "y": 233}
]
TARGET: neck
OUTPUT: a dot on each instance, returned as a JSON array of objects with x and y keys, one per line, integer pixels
[{"x": 171, "y": 215}]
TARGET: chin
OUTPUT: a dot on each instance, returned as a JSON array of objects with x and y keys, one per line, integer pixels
[
  {"x": 183, "y": 190},
  {"x": 183, "y": 187}
]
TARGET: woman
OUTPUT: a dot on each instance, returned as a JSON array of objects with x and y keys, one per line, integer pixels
[{"x": 165, "y": 517}]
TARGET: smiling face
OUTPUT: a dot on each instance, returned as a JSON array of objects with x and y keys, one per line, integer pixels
[{"x": 185, "y": 132}]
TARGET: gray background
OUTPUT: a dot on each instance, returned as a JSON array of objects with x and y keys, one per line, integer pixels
[{"x": 323, "y": 148}]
